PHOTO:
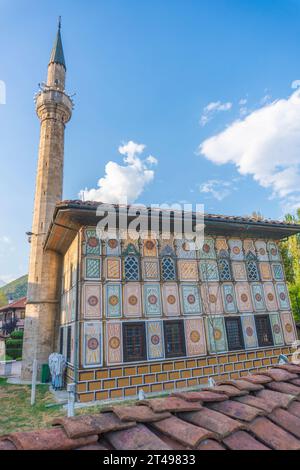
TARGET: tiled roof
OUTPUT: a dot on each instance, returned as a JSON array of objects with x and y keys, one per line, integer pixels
[
  {"x": 257, "y": 412},
  {"x": 217, "y": 217},
  {"x": 20, "y": 303}
]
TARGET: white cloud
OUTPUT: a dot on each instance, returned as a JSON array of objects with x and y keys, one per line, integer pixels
[
  {"x": 243, "y": 101},
  {"x": 295, "y": 84},
  {"x": 123, "y": 183},
  {"x": 211, "y": 109},
  {"x": 266, "y": 145},
  {"x": 219, "y": 189}
]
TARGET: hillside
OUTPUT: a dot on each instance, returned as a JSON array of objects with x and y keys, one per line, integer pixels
[{"x": 17, "y": 289}]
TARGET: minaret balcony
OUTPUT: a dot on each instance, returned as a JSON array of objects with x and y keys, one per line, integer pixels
[{"x": 51, "y": 100}]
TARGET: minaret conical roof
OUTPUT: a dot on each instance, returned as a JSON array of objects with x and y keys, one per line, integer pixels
[{"x": 57, "y": 54}]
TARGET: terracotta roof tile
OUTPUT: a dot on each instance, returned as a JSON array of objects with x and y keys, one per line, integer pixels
[
  {"x": 280, "y": 375},
  {"x": 286, "y": 420},
  {"x": 216, "y": 422},
  {"x": 229, "y": 390},
  {"x": 203, "y": 396},
  {"x": 294, "y": 408},
  {"x": 257, "y": 379},
  {"x": 284, "y": 387},
  {"x": 97, "y": 446},
  {"x": 292, "y": 368},
  {"x": 280, "y": 399},
  {"x": 137, "y": 438},
  {"x": 183, "y": 432},
  {"x": 6, "y": 444},
  {"x": 241, "y": 440},
  {"x": 140, "y": 414},
  {"x": 295, "y": 382},
  {"x": 237, "y": 410},
  {"x": 173, "y": 404},
  {"x": 242, "y": 385},
  {"x": 273, "y": 436},
  {"x": 257, "y": 403},
  {"x": 210, "y": 444},
  {"x": 48, "y": 439}
]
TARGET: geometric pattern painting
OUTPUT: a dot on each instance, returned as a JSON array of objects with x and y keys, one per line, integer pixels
[
  {"x": 150, "y": 269},
  {"x": 92, "y": 302},
  {"x": 273, "y": 251},
  {"x": 92, "y": 268},
  {"x": 277, "y": 271},
  {"x": 171, "y": 300},
  {"x": 207, "y": 251},
  {"x": 261, "y": 249},
  {"x": 132, "y": 300},
  {"x": 216, "y": 334},
  {"x": 258, "y": 297},
  {"x": 112, "y": 247},
  {"x": 113, "y": 300},
  {"x": 288, "y": 327},
  {"x": 152, "y": 302},
  {"x": 249, "y": 330},
  {"x": 209, "y": 271},
  {"x": 92, "y": 245},
  {"x": 190, "y": 299},
  {"x": 195, "y": 337},
  {"x": 114, "y": 342},
  {"x": 243, "y": 297},
  {"x": 188, "y": 270},
  {"x": 92, "y": 344},
  {"x": 282, "y": 296},
  {"x": 186, "y": 249},
  {"x": 113, "y": 268},
  {"x": 155, "y": 340},
  {"x": 229, "y": 298},
  {"x": 150, "y": 247},
  {"x": 276, "y": 329},
  {"x": 212, "y": 298},
  {"x": 270, "y": 297}
]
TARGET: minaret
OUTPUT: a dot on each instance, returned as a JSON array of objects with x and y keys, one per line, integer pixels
[{"x": 54, "y": 110}]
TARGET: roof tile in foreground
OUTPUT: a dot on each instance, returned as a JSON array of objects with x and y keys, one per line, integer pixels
[{"x": 257, "y": 412}]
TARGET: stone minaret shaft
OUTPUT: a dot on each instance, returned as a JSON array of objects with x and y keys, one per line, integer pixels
[{"x": 54, "y": 109}]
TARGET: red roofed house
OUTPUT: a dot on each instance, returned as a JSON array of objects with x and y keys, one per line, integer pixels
[{"x": 12, "y": 315}]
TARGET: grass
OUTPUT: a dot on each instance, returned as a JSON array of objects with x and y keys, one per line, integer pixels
[{"x": 18, "y": 415}]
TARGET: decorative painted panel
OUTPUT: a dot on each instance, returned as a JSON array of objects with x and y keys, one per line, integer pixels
[
  {"x": 212, "y": 298},
  {"x": 190, "y": 299},
  {"x": 248, "y": 246},
  {"x": 276, "y": 329},
  {"x": 209, "y": 271},
  {"x": 188, "y": 270},
  {"x": 113, "y": 300},
  {"x": 221, "y": 246},
  {"x": 132, "y": 300},
  {"x": 229, "y": 298},
  {"x": 152, "y": 302},
  {"x": 261, "y": 249},
  {"x": 215, "y": 328},
  {"x": 270, "y": 297},
  {"x": 92, "y": 301},
  {"x": 243, "y": 297},
  {"x": 277, "y": 271},
  {"x": 170, "y": 300},
  {"x": 207, "y": 250},
  {"x": 265, "y": 271},
  {"x": 114, "y": 342},
  {"x": 92, "y": 268},
  {"x": 195, "y": 337},
  {"x": 150, "y": 269},
  {"x": 113, "y": 247},
  {"x": 131, "y": 268},
  {"x": 258, "y": 297},
  {"x": 249, "y": 330},
  {"x": 149, "y": 247},
  {"x": 92, "y": 344},
  {"x": 282, "y": 296},
  {"x": 236, "y": 249},
  {"x": 113, "y": 268},
  {"x": 239, "y": 271},
  {"x": 166, "y": 248},
  {"x": 288, "y": 327},
  {"x": 155, "y": 340},
  {"x": 273, "y": 251},
  {"x": 168, "y": 269},
  {"x": 185, "y": 249},
  {"x": 92, "y": 243},
  {"x": 224, "y": 269}
]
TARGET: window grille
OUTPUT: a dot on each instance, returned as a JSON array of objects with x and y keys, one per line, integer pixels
[
  {"x": 234, "y": 334},
  {"x": 263, "y": 330},
  {"x": 224, "y": 270},
  {"x": 69, "y": 334},
  {"x": 168, "y": 269},
  {"x": 134, "y": 341},
  {"x": 174, "y": 338},
  {"x": 252, "y": 271},
  {"x": 131, "y": 268}
]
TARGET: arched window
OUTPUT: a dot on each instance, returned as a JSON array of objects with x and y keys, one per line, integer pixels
[
  {"x": 131, "y": 266},
  {"x": 252, "y": 270},
  {"x": 224, "y": 269},
  {"x": 168, "y": 272}
]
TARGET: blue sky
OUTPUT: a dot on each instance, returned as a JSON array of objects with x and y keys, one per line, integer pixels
[{"x": 144, "y": 71}]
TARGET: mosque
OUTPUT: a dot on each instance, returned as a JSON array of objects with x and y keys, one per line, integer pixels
[{"x": 154, "y": 312}]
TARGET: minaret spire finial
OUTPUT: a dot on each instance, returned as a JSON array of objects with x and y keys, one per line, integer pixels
[
  {"x": 57, "y": 54},
  {"x": 59, "y": 23}
]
